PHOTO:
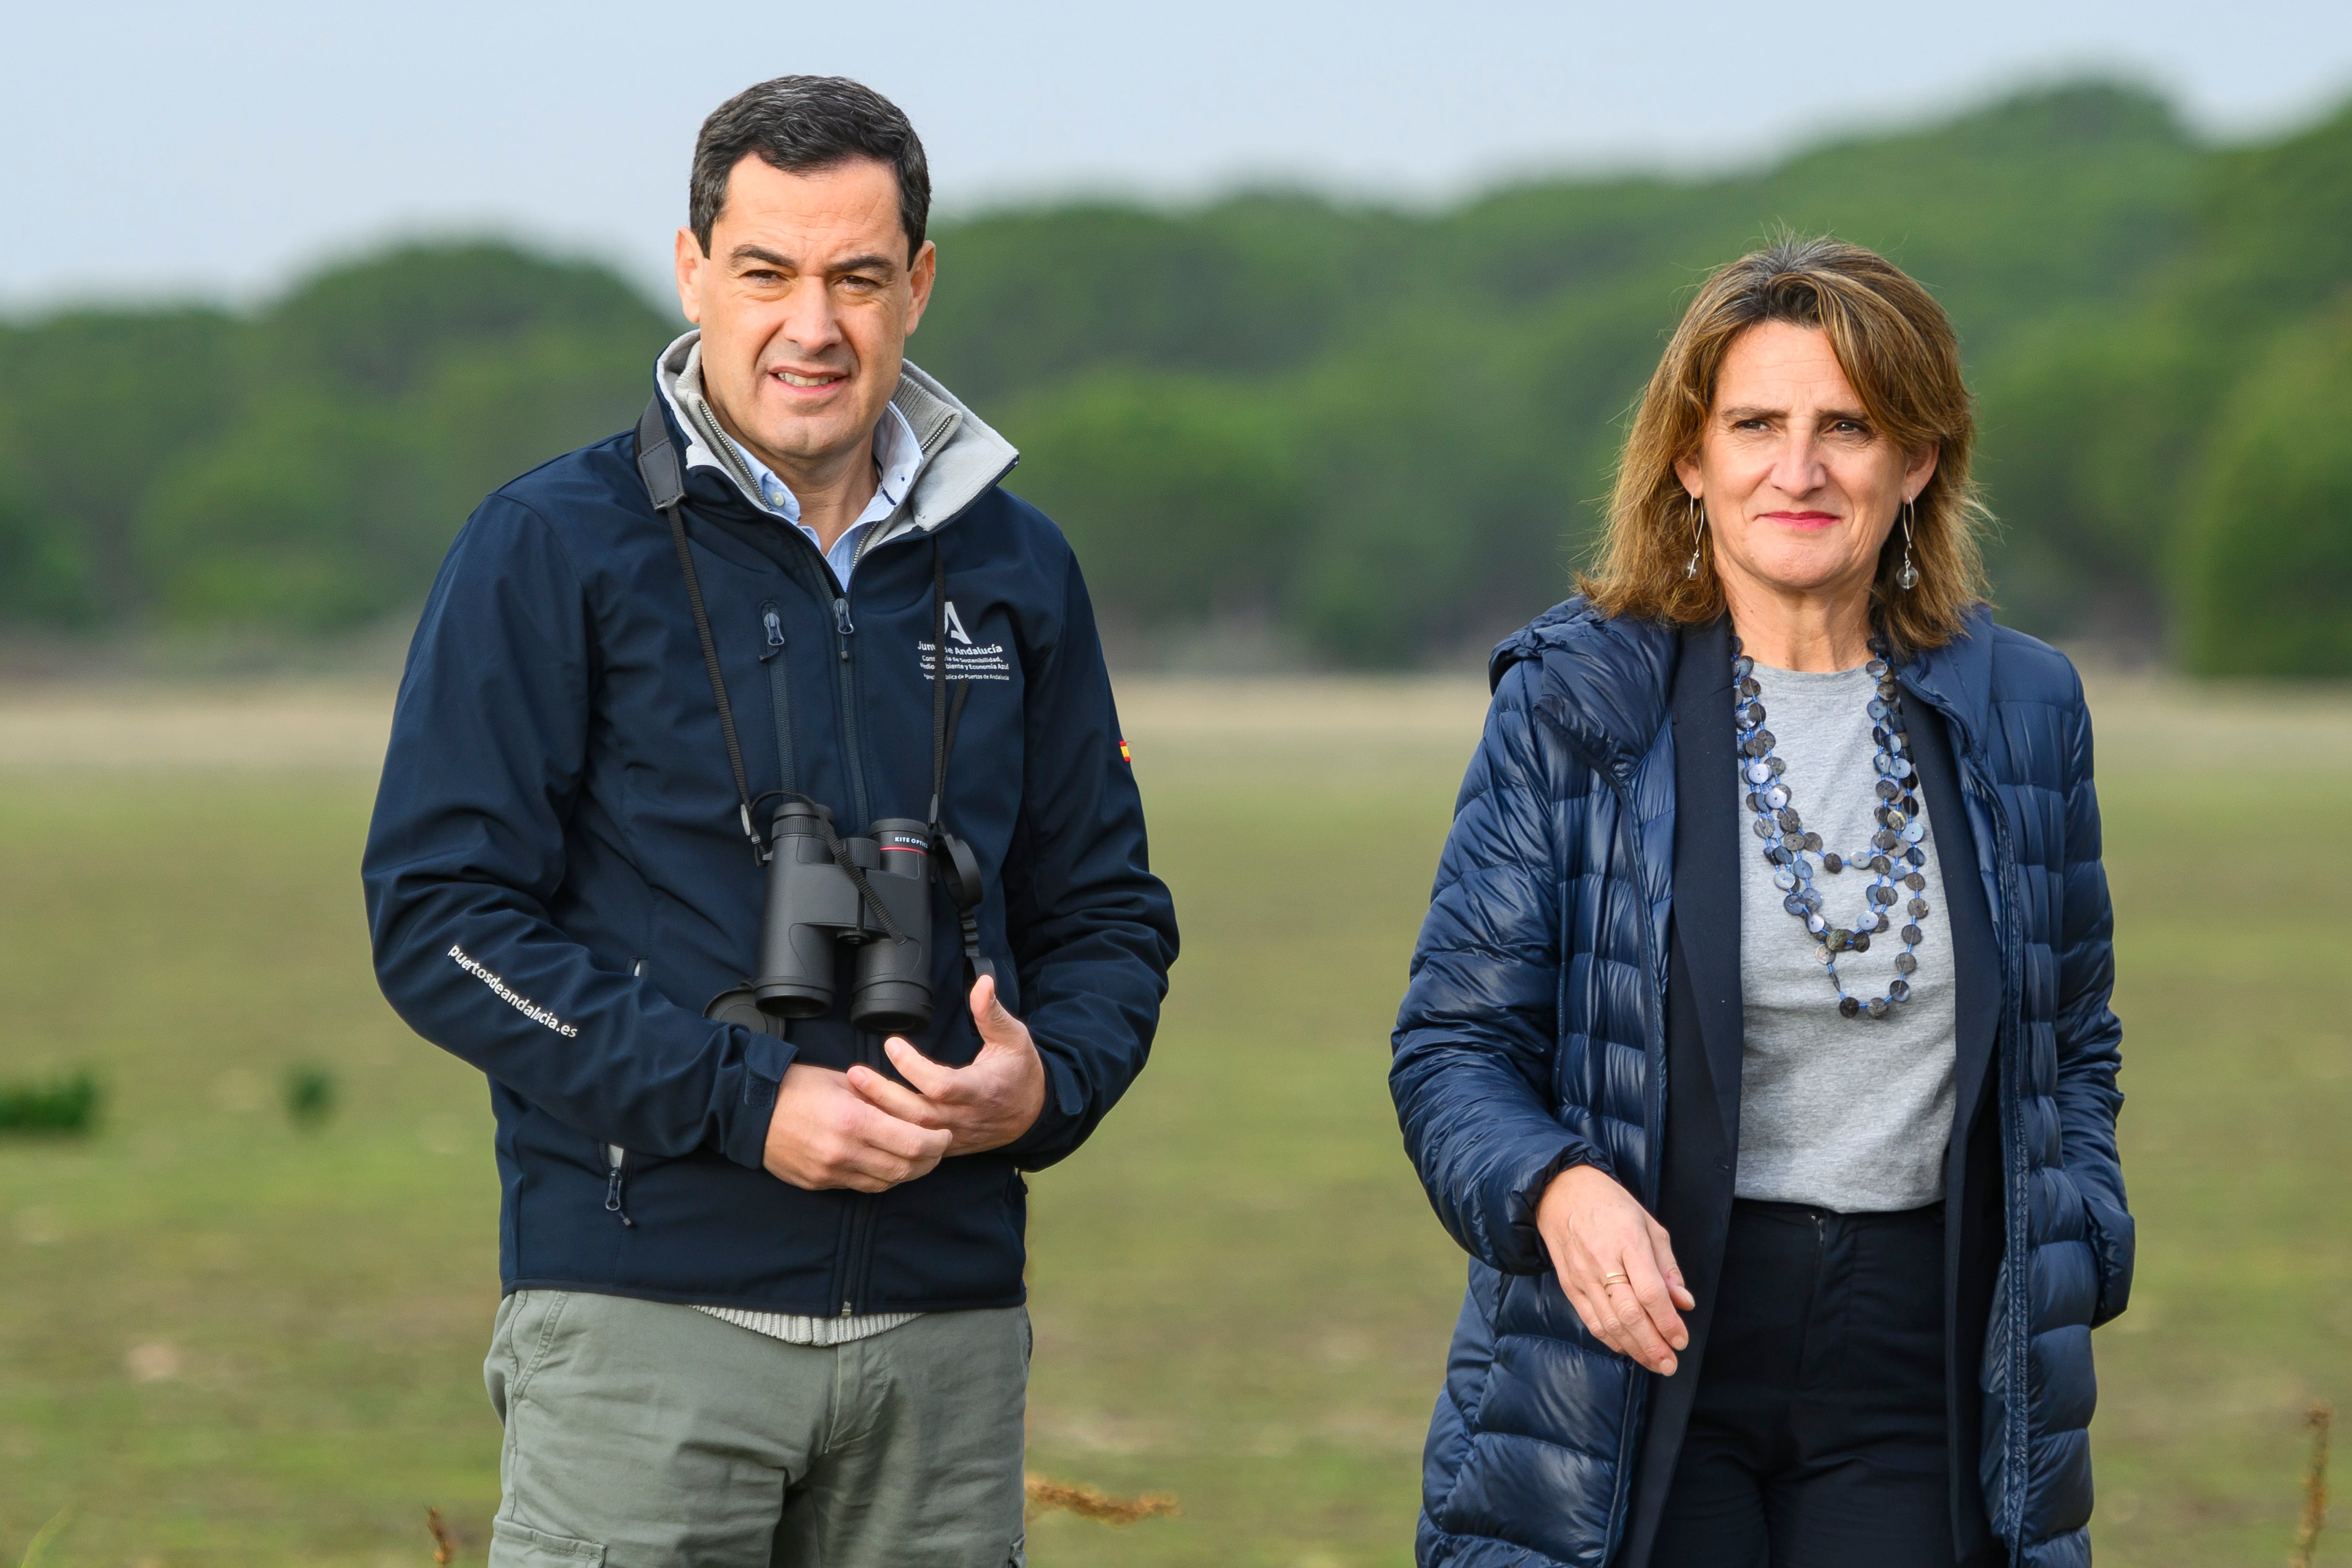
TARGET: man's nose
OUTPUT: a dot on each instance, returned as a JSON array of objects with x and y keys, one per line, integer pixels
[{"x": 809, "y": 324}]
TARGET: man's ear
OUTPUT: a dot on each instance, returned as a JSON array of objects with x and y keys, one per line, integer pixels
[
  {"x": 689, "y": 262},
  {"x": 920, "y": 278}
]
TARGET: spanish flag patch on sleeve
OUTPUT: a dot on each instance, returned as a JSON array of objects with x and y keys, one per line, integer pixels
[{"x": 1124, "y": 754}]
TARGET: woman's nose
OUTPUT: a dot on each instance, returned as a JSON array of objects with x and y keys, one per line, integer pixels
[{"x": 1797, "y": 468}]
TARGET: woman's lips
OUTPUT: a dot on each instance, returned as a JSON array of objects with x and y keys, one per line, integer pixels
[{"x": 1811, "y": 519}]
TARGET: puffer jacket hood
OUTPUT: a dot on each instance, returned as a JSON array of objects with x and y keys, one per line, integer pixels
[{"x": 1532, "y": 1035}]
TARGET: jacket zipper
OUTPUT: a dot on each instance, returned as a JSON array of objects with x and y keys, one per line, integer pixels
[
  {"x": 2016, "y": 1199},
  {"x": 1654, "y": 1117},
  {"x": 844, "y": 630},
  {"x": 861, "y": 1236},
  {"x": 780, "y": 693},
  {"x": 870, "y": 1051},
  {"x": 2017, "y": 1205},
  {"x": 861, "y": 1210},
  {"x": 1653, "y": 1112},
  {"x": 616, "y": 1160}
]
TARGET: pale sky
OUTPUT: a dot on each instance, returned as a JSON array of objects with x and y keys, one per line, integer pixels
[{"x": 216, "y": 150}]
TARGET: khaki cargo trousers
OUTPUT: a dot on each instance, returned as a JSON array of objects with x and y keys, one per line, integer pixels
[{"x": 643, "y": 1434}]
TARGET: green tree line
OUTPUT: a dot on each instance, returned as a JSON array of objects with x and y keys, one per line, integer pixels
[{"x": 1382, "y": 434}]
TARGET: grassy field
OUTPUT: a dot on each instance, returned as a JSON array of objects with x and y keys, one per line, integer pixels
[{"x": 227, "y": 1341}]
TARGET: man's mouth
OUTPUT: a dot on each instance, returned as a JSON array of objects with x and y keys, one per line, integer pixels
[{"x": 821, "y": 378}]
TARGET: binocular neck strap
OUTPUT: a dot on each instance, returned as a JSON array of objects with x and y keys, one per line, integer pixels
[
  {"x": 664, "y": 482},
  {"x": 944, "y": 719}
]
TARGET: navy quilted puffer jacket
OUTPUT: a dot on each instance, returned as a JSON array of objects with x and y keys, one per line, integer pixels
[{"x": 1532, "y": 1037}]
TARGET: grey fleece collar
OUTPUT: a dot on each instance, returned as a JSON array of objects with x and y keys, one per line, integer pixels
[{"x": 961, "y": 455}]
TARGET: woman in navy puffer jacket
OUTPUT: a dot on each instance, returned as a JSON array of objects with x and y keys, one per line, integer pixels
[{"x": 1785, "y": 1247}]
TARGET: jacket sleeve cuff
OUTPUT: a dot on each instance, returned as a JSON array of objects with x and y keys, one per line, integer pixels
[
  {"x": 747, "y": 1098},
  {"x": 1528, "y": 1197},
  {"x": 1059, "y": 1119}
]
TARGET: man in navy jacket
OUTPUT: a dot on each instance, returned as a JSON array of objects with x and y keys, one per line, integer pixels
[{"x": 763, "y": 1283}]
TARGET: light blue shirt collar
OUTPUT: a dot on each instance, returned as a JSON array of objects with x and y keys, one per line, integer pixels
[{"x": 897, "y": 457}]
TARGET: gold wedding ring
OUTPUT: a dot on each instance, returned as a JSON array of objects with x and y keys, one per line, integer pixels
[{"x": 1613, "y": 1279}]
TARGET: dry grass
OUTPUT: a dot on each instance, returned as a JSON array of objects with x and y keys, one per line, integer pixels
[
  {"x": 1046, "y": 1496},
  {"x": 2314, "y": 1486},
  {"x": 445, "y": 1548}
]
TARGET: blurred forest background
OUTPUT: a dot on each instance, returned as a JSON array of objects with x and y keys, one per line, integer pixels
[{"x": 1316, "y": 432}]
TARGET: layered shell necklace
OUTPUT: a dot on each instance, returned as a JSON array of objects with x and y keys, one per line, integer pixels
[{"x": 1893, "y": 858}]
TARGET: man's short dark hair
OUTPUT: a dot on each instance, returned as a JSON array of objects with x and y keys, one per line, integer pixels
[{"x": 797, "y": 123}]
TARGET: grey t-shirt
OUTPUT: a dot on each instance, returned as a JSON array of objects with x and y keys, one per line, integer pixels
[{"x": 1845, "y": 1114}]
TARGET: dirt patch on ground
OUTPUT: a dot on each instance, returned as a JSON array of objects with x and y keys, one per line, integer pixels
[
  {"x": 264, "y": 725},
  {"x": 342, "y": 725}
]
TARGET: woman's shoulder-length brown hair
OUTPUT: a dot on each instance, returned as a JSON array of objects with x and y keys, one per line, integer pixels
[{"x": 1896, "y": 345}]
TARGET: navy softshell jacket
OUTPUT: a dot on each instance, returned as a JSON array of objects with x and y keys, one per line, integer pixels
[
  {"x": 558, "y": 884},
  {"x": 1532, "y": 1036}
]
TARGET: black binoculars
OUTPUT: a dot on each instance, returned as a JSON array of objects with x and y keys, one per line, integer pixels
[{"x": 873, "y": 893}]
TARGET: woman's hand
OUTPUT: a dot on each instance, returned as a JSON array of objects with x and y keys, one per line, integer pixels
[{"x": 1616, "y": 1266}]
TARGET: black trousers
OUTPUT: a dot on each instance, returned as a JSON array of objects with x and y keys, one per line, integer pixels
[{"x": 1817, "y": 1435}]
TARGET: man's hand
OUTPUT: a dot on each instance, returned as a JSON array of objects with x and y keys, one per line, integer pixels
[
  {"x": 984, "y": 1106},
  {"x": 1616, "y": 1267},
  {"x": 823, "y": 1136}
]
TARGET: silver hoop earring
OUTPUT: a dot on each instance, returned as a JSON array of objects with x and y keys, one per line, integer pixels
[
  {"x": 1906, "y": 577},
  {"x": 1698, "y": 538}
]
